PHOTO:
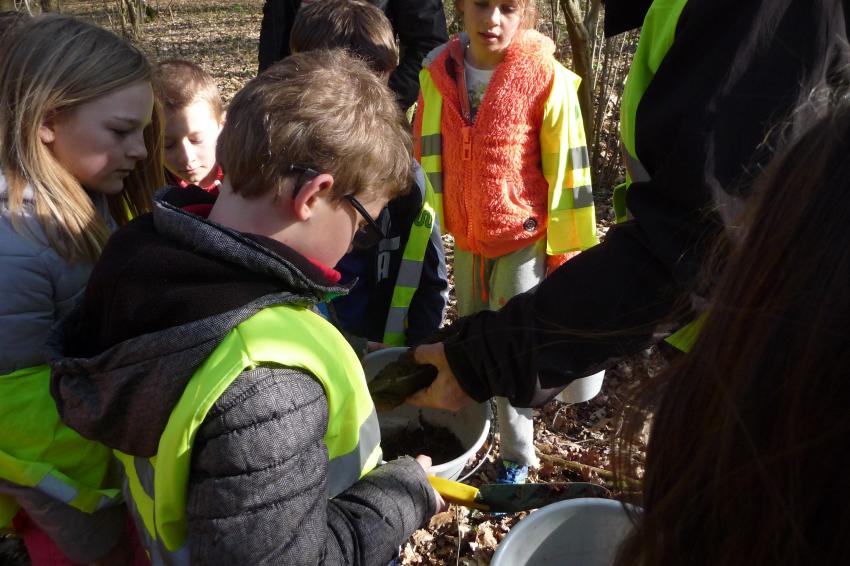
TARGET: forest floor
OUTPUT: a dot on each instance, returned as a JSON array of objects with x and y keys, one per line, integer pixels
[{"x": 222, "y": 37}]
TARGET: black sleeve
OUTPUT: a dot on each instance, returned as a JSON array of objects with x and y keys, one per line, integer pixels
[
  {"x": 278, "y": 17},
  {"x": 258, "y": 486},
  {"x": 420, "y": 26},
  {"x": 624, "y": 15},
  {"x": 706, "y": 125},
  {"x": 590, "y": 312}
]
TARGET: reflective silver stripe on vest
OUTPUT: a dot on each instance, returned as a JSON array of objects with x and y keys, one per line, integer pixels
[
  {"x": 345, "y": 470},
  {"x": 582, "y": 196},
  {"x": 159, "y": 555},
  {"x": 436, "y": 180},
  {"x": 395, "y": 319},
  {"x": 409, "y": 273},
  {"x": 432, "y": 144},
  {"x": 145, "y": 473},
  {"x": 579, "y": 159},
  {"x": 57, "y": 489},
  {"x": 637, "y": 171},
  {"x": 61, "y": 491}
]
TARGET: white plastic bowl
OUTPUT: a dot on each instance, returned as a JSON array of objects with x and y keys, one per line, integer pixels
[
  {"x": 578, "y": 532},
  {"x": 582, "y": 389},
  {"x": 470, "y": 425}
]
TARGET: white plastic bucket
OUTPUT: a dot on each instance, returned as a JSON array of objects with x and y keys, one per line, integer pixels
[
  {"x": 470, "y": 425},
  {"x": 579, "y": 532},
  {"x": 582, "y": 389}
]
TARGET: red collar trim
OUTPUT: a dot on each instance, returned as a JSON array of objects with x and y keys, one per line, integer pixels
[
  {"x": 202, "y": 210},
  {"x": 211, "y": 188},
  {"x": 332, "y": 275}
]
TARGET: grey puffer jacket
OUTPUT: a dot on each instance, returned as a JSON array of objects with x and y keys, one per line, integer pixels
[
  {"x": 37, "y": 286},
  {"x": 167, "y": 289}
]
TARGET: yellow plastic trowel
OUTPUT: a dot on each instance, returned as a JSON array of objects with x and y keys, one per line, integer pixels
[{"x": 511, "y": 498}]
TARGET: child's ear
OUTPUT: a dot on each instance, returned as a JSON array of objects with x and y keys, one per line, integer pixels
[
  {"x": 222, "y": 120},
  {"x": 47, "y": 130},
  {"x": 305, "y": 201}
]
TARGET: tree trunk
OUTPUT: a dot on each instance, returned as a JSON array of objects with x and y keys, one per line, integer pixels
[
  {"x": 50, "y": 5},
  {"x": 132, "y": 13},
  {"x": 579, "y": 41},
  {"x": 591, "y": 22}
]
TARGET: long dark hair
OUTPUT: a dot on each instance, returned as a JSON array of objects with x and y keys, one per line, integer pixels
[{"x": 749, "y": 429}]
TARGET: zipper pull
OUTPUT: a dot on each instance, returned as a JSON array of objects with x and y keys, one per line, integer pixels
[{"x": 466, "y": 134}]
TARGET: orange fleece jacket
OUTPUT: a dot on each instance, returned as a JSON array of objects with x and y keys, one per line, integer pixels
[{"x": 495, "y": 200}]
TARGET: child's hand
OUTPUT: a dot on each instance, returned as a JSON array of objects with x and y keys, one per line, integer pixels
[
  {"x": 425, "y": 462},
  {"x": 375, "y": 346}
]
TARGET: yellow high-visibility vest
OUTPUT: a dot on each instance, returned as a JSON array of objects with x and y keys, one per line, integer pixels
[
  {"x": 564, "y": 161},
  {"x": 290, "y": 336},
  {"x": 39, "y": 452},
  {"x": 410, "y": 271}
]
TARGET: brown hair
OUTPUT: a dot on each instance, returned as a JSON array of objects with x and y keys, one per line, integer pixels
[
  {"x": 55, "y": 63},
  {"x": 10, "y": 20},
  {"x": 178, "y": 83},
  {"x": 355, "y": 25},
  {"x": 320, "y": 109},
  {"x": 528, "y": 7},
  {"x": 746, "y": 425}
]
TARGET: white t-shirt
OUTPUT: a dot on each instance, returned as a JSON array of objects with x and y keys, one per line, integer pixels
[{"x": 476, "y": 84}]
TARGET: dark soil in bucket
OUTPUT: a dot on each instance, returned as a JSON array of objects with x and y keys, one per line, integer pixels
[{"x": 431, "y": 440}]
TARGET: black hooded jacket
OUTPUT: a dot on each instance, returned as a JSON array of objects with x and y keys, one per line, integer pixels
[{"x": 167, "y": 289}]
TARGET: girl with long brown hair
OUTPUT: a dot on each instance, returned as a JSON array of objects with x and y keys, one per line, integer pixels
[{"x": 747, "y": 444}]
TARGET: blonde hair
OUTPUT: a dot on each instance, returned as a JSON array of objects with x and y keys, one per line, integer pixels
[
  {"x": 56, "y": 63},
  {"x": 324, "y": 110},
  {"x": 528, "y": 7},
  {"x": 178, "y": 83},
  {"x": 355, "y": 25}
]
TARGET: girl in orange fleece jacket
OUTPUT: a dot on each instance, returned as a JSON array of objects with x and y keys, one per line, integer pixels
[{"x": 500, "y": 135}]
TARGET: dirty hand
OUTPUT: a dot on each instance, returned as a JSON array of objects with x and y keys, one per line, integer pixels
[
  {"x": 444, "y": 392},
  {"x": 425, "y": 462}
]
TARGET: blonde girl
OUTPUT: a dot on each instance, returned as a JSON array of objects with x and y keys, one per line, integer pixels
[
  {"x": 500, "y": 135},
  {"x": 80, "y": 154}
]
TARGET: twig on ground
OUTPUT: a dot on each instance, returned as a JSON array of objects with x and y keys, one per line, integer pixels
[{"x": 606, "y": 475}]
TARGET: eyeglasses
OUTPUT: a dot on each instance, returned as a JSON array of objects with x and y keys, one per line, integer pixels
[
  {"x": 305, "y": 173},
  {"x": 366, "y": 236}
]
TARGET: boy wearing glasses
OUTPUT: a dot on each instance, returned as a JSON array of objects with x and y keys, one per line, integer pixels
[
  {"x": 241, "y": 417},
  {"x": 401, "y": 284}
]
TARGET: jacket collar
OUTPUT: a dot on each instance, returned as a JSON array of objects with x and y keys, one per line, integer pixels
[
  {"x": 526, "y": 60},
  {"x": 167, "y": 290}
]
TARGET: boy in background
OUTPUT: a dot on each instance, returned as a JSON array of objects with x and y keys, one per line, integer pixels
[
  {"x": 419, "y": 24},
  {"x": 194, "y": 116},
  {"x": 402, "y": 285}
]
